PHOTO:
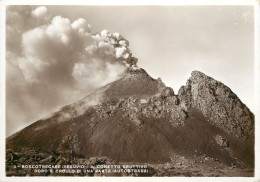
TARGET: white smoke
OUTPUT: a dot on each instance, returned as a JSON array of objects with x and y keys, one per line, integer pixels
[
  {"x": 88, "y": 58},
  {"x": 112, "y": 45},
  {"x": 53, "y": 61}
]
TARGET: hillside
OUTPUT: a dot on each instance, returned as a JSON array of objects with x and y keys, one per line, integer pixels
[{"x": 138, "y": 119}]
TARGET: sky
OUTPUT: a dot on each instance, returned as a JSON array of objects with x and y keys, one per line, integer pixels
[{"x": 56, "y": 55}]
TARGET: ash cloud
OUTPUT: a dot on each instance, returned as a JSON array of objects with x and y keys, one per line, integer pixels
[{"x": 58, "y": 61}]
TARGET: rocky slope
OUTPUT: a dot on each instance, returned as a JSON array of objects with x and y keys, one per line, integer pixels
[
  {"x": 217, "y": 102},
  {"x": 138, "y": 119},
  {"x": 44, "y": 160}
]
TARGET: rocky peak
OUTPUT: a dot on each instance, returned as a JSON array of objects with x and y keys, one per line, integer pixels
[
  {"x": 136, "y": 71},
  {"x": 218, "y": 103},
  {"x": 197, "y": 75},
  {"x": 134, "y": 82},
  {"x": 139, "y": 74}
]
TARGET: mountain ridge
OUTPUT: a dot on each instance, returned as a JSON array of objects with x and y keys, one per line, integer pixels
[
  {"x": 202, "y": 91},
  {"x": 137, "y": 118}
]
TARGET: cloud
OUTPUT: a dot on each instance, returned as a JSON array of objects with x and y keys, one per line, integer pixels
[
  {"x": 81, "y": 26},
  {"x": 97, "y": 72},
  {"x": 60, "y": 61},
  {"x": 31, "y": 67},
  {"x": 40, "y": 11},
  {"x": 72, "y": 47},
  {"x": 59, "y": 29},
  {"x": 50, "y": 51},
  {"x": 20, "y": 19}
]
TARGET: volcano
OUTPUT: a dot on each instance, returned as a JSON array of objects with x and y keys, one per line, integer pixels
[{"x": 138, "y": 120}]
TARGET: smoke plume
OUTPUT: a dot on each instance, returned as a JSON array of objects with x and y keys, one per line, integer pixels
[{"x": 59, "y": 61}]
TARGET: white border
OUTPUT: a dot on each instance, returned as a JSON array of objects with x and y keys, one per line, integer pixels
[
  {"x": 4, "y": 3},
  {"x": 2, "y": 92},
  {"x": 257, "y": 89},
  {"x": 130, "y": 2}
]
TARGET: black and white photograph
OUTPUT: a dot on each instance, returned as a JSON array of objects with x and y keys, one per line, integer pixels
[{"x": 130, "y": 91}]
